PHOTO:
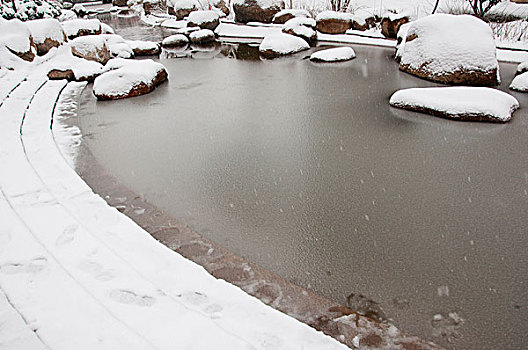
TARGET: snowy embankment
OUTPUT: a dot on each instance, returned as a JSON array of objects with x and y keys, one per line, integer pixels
[
  {"x": 459, "y": 103},
  {"x": 77, "y": 274}
]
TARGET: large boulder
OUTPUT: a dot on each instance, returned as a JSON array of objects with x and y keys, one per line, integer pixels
[
  {"x": 458, "y": 103},
  {"x": 450, "y": 49},
  {"x": 391, "y": 23},
  {"x": 281, "y": 44},
  {"x": 181, "y": 8},
  {"x": 332, "y": 22},
  {"x": 520, "y": 82},
  {"x": 256, "y": 10},
  {"x": 284, "y": 16},
  {"x": 47, "y": 33},
  {"x": 80, "y": 27},
  {"x": 133, "y": 78},
  {"x": 302, "y": 27},
  {"x": 16, "y": 37},
  {"x": 363, "y": 20},
  {"x": 204, "y": 19},
  {"x": 91, "y": 47}
]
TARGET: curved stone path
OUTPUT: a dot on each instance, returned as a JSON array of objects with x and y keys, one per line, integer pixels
[{"x": 77, "y": 274}]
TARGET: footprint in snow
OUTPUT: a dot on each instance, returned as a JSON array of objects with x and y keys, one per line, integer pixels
[
  {"x": 128, "y": 297},
  {"x": 29, "y": 266}
]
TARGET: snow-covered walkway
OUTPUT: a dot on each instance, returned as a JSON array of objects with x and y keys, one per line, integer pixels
[{"x": 77, "y": 274}]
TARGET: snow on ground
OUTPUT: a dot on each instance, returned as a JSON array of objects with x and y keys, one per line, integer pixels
[
  {"x": 282, "y": 44},
  {"x": 336, "y": 54},
  {"x": 77, "y": 274},
  {"x": 520, "y": 83},
  {"x": 464, "y": 103}
]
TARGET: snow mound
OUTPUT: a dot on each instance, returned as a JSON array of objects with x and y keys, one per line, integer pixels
[
  {"x": 451, "y": 49},
  {"x": 91, "y": 47},
  {"x": 106, "y": 29},
  {"x": 459, "y": 103},
  {"x": 174, "y": 24},
  {"x": 80, "y": 27},
  {"x": 67, "y": 15},
  {"x": 132, "y": 78},
  {"x": 175, "y": 40},
  {"x": 520, "y": 82},
  {"x": 279, "y": 44},
  {"x": 66, "y": 66},
  {"x": 522, "y": 68},
  {"x": 337, "y": 54}
]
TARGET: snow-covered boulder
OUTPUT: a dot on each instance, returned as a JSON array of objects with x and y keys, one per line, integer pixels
[
  {"x": 391, "y": 23},
  {"x": 337, "y": 54},
  {"x": 16, "y": 37},
  {"x": 118, "y": 46},
  {"x": 204, "y": 19},
  {"x": 302, "y": 27},
  {"x": 120, "y": 3},
  {"x": 256, "y": 10},
  {"x": 182, "y": 8},
  {"x": 29, "y": 9},
  {"x": 91, "y": 47},
  {"x": 459, "y": 103},
  {"x": 132, "y": 79},
  {"x": 74, "y": 68},
  {"x": 202, "y": 36},
  {"x": 280, "y": 44},
  {"x": 67, "y": 15},
  {"x": 452, "y": 50},
  {"x": 401, "y": 37},
  {"x": 520, "y": 82},
  {"x": 284, "y": 16},
  {"x": 174, "y": 24},
  {"x": 221, "y": 5},
  {"x": 175, "y": 40},
  {"x": 363, "y": 20},
  {"x": 46, "y": 33},
  {"x": 522, "y": 68},
  {"x": 144, "y": 48},
  {"x": 332, "y": 22},
  {"x": 106, "y": 29},
  {"x": 80, "y": 27},
  {"x": 79, "y": 10}
]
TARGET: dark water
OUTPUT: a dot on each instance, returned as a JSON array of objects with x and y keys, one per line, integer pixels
[{"x": 305, "y": 170}]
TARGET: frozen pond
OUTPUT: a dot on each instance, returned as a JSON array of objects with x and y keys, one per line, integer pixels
[{"x": 305, "y": 170}]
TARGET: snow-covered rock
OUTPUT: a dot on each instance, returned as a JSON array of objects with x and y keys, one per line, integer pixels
[
  {"x": 91, "y": 47},
  {"x": 522, "y": 68},
  {"x": 80, "y": 27},
  {"x": 452, "y": 50},
  {"x": 106, "y": 29},
  {"x": 174, "y": 23},
  {"x": 46, "y": 33},
  {"x": 132, "y": 78},
  {"x": 256, "y": 10},
  {"x": 175, "y": 40},
  {"x": 332, "y": 22},
  {"x": 71, "y": 68},
  {"x": 202, "y": 36},
  {"x": 144, "y": 48},
  {"x": 284, "y": 16},
  {"x": 182, "y": 8},
  {"x": 363, "y": 20},
  {"x": 337, "y": 54},
  {"x": 118, "y": 46},
  {"x": 391, "y": 23},
  {"x": 67, "y": 15},
  {"x": 520, "y": 82},
  {"x": 80, "y": 10},
  {"x": 280, "y": 44},
  {"x": 204, "y": 19},
  {"x": 222, "y": 7},
  {"x": 459, "y": 103},
  {"x": 29, "y": 9},
  {"x": 302, "y": 27},
  {"x": 401, "y": 37},
  {"x": 16, "y": 37}
]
